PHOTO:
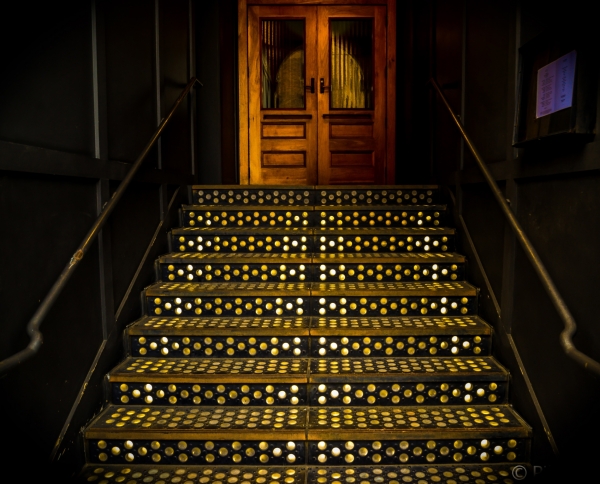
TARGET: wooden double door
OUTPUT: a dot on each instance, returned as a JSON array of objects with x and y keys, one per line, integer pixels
[{"x": 317, "y": 94}]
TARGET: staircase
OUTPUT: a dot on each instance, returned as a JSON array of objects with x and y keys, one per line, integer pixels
[{"x": 318, "y": 335}]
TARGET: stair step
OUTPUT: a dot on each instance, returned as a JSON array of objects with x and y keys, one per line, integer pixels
[
  {"x": 382, "y": 346},
  {"x": 421, "y": 474},
  {"x": 374, "y": 216},
  {"x": 319, "y": 326},
  {"x": 138, "y": 474},
  {"x": 411, "y": 381},
  {"x": 240, "y": 240},
  {"x": 399, "y": 326},
  {"x": 210, "y": 370},
  {"x": 376, "y": 195},
  {"x": 393, "y": 298},
  {"x": 360, "y": 381},
  {"x": 402, "y": 370},
  {"x": 413, "y": 422},
  {"x": 400, "y": 336},
  {"x": 392, "y": 474},
  {"x": 275, "y": 217},
  {"x": 201, "y": 216},
  {"x": 224, "y": 195},
  {"x": 384, "y": 240},
  {"x": 181, "y": 267},
  {"x": 137, "y": 422},
  {"x": 307, "y": 240},
  {"x": 289, "y": 337},
  {"x": 336, "y": 436},
  {"x": 331, "y": 299},
  {"x": 388, "y": 267},
  {"x": 256, "y": 267},
  {"x": 234, "y": 326}
]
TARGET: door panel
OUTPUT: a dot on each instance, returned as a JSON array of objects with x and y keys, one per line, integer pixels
[
  {"x": 352, "y": 94},
  {"x": 317, "y": 94},
  {"x": 282, "y": 46}
]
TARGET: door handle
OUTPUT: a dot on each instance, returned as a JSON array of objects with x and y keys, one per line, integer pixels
[
  {"x": 312, "y": 86},
  {"x": 322, "y": 86}
]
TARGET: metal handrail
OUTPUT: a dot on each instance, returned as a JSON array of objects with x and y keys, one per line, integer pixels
[
  {"x": 35, "y": 337},
  {"x": 568, "y": 320}
]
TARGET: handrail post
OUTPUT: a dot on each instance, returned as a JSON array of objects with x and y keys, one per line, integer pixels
[
  {"x": 36, "y": 340},
  {"x": 570, "y": 327}
]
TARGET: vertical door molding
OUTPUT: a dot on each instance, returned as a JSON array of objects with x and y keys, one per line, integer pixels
[{"x": 244, "y": 133}]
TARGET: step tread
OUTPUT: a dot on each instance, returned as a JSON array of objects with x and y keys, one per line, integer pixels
[
  {"x": 235, "y": 326},
  {"x": 139, "y": 474},
  {"x": 185, "y": 422},
  {"x": 405, "y": 369},
  {"x": 210, "y": 370},
  {"x": 389, "y": 258},
  {"x": 396, "y": 325},
  {"x": 421, "y": 474},
  {"x": 315, "y": 326},
  {"x": 312, "y": 208},
  {"x": 306, "y": 258},
  {"x": 323, "y": 423},
  {"x": 386, "y": 474},
  {"x": 242, "y": 230},
  {"x": 458, "y": 421},
  {"x": 384, "y": 230},
  {"x": 380, "y": 208},
  {"x": 446, "y": 288},
  {"x": 199, "y": 370},
  {"x": 315, "y": 230},
  {"x": 245, "y": 208},
  {"x": 230, "y": 289},
  {"x": 237, "y": 257}
]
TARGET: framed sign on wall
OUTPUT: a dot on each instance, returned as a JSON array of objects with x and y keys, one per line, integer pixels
[{"x": 556, "y": 90}]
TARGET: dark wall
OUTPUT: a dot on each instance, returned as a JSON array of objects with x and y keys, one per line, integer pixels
[
  {"x": 83, "y": 88},
  {"x": 554, "y": 192},
  {"x": 216, "y": 37}
]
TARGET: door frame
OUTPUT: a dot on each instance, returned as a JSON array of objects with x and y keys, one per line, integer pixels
[{"x": 243, "y": 95}]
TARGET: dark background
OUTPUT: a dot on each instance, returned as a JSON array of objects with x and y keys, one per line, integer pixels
[{"x": 85, "y": 84}]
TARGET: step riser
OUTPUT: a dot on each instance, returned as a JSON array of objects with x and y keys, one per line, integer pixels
[
  {"x": 491, "y": 450},
  {"x": 229, "y": 394},
  {"x": 220, "y": 196},
  {"x": 393, "y": 394},
  {"x": 372, "y": 217},
  {"x": 356, "y": 394},
  {"x": 308, "y": 244},
  {"x": 415, "y": 452},
  {"x": 321, "y": 271},
  {"x": 269, "y": 306},
  {"x": 197, "y": 452},
  {"x": 336, "y": 347},
  {"x": 318, "y": 347},
  {"x": 221, "y": 346}
]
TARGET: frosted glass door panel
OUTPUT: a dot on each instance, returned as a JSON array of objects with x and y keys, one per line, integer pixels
[
  {"x": 282, "y": 63},
  {"x": 351, "y": 44}
]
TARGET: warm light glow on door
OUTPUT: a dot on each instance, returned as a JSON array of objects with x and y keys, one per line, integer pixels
[
  {"x": 351, "y": 44},
  {"x": 282, "y": 64}
]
